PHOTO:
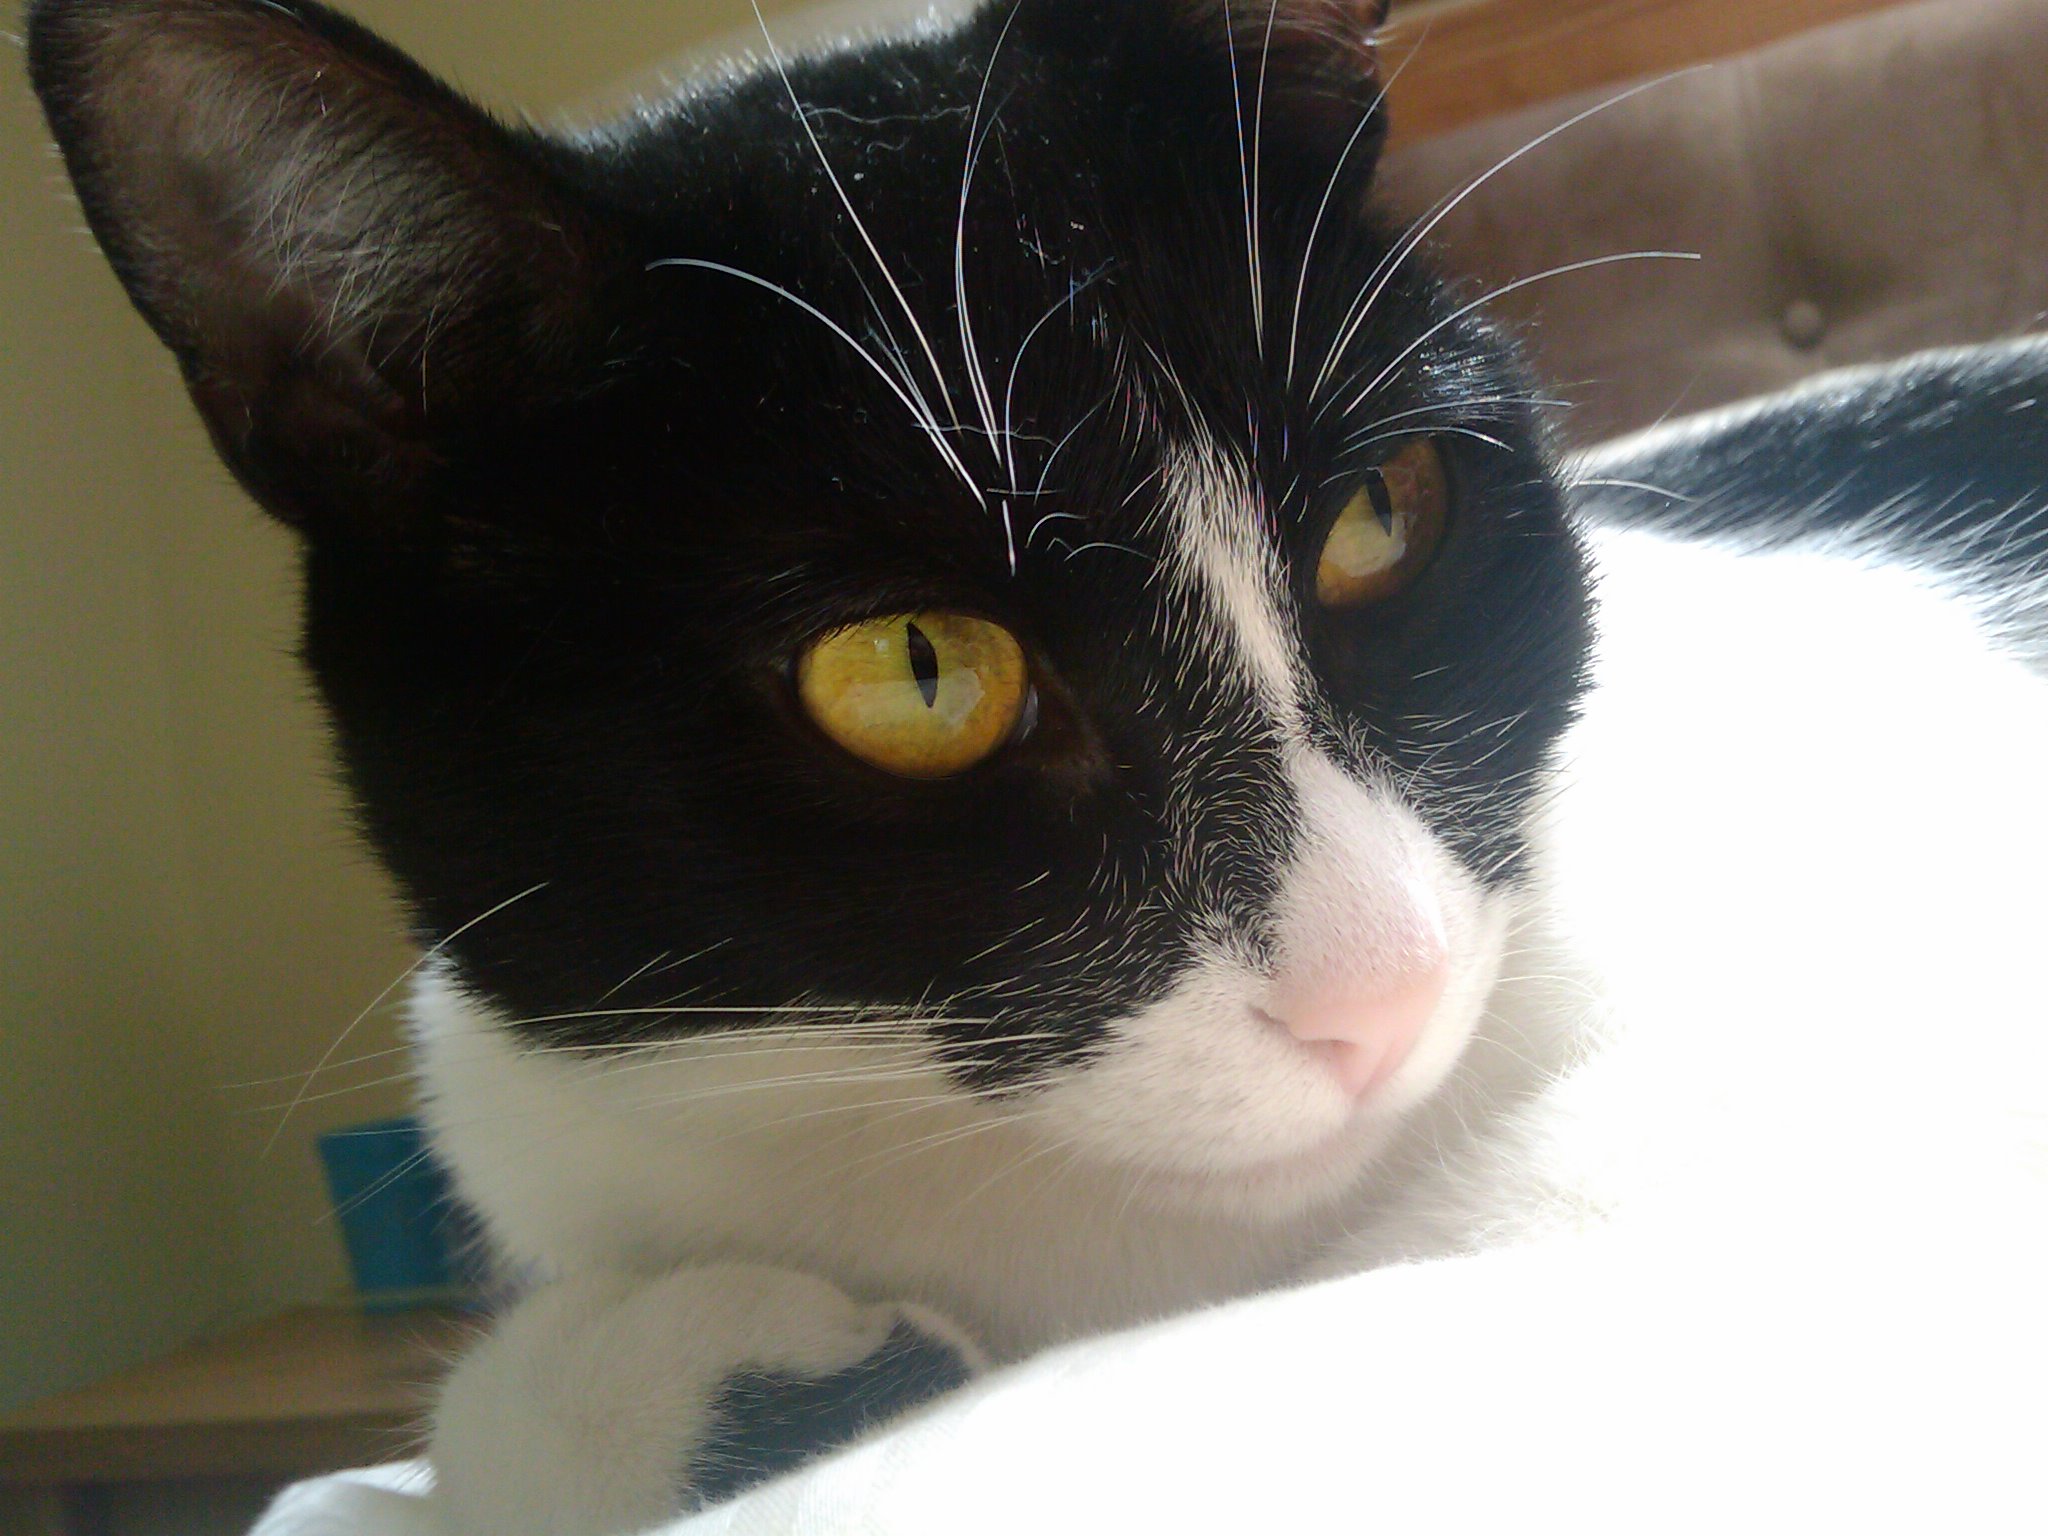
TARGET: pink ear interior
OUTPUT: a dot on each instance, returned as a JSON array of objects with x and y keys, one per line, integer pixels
[
  {"x": 304, "y": 215},
  {"x": 234, "y": 156}
]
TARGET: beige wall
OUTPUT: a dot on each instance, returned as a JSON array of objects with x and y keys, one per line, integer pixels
[{"x": 183, "y": 914}]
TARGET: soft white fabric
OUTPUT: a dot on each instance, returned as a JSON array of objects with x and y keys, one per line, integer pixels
[
  {"x": 1557, "y": 1379},
  {"x": 391, "y": 1501}
]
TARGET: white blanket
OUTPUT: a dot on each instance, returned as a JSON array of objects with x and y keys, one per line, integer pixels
[{"x": 1556, "y": 1381}]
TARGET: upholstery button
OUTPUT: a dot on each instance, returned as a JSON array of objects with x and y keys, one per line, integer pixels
[{"x": 1804, "y": 324}]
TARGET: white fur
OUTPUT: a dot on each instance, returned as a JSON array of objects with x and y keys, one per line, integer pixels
[
  {"x": 1230, "y": 584},
  {"x": 596, "y": 1385},
  {"x": 1197, "y": 1094},
  {"x": 1770, "y": 1026}
]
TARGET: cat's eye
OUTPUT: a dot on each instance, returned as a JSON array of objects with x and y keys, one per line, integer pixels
[
  {"x": 921, "y": 695},
  {"x": 1388, "y": 530}
]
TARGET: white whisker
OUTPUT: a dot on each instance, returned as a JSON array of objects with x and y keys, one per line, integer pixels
[
  {"x": 1244, "y": 170},
  {"x": 1636, "y": 485},
  {"x": 821, "y": 1079},
  {"x": 390, "y": 1177},
  {"x": 302, "y": 1099},
  {"x": 1064, "y": 1143},
  {"x": 977, "y": 138},
  {"x": 1445, "y": 407},
  {"x": 908, "y": 1105},
  {"x": 801, "y": 1014},
  {"x": 1502, "y": 292},
  {"x": 931, "y": 430},
  {"x": 429, "y": 954},
  {"x": 831, "y": 175},
  {"x": 683, "y": 1056},
  {"x": 617, "y": 987},
  {"x": 1383, "y": 273},
  {"x": 897, "y": 357},
  {"x": 1367, "y": 439},
  {"x": 1074, "y": 291},
  {"x": 1256, "y": 202},
  {"x": 1046, "y": 469},
  {"x": 1336, "y": 175},
  {"x": 248, "y": 1085},
  {"x": 890, "y": 1156}
]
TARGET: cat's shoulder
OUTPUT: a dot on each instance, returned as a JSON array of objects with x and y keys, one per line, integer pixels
[{"x": 1939, "y": 461}]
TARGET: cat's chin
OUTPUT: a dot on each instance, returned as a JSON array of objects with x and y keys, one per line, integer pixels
[{"x": 1281, "y": 1188}]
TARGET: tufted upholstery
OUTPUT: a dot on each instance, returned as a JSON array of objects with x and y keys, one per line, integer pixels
[{"x": 1858, "y": 193}]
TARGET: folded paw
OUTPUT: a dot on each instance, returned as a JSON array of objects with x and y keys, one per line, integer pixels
[{"x": 603, "y": 1404}]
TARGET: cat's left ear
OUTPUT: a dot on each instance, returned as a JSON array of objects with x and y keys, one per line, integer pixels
[
  {"x": 1306, "y": 48},
  {"x": 350, "y": 262}
]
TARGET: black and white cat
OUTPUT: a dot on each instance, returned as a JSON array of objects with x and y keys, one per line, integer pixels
[{"x": 989, "y": 700}]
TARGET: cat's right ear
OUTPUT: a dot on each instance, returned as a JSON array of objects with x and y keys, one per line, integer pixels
[
  {"x": 1308, "y": 69},
  {"x": 350, "y": 262}
]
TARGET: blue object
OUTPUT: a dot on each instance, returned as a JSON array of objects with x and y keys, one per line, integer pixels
[{"x": 407, "y": 1238}]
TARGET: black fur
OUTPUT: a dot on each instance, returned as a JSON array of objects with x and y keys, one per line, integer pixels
[
  {"x": 558, "y": 568},
  {"x": 766, "y": 1422},
  {"x": 1938, "y": 461}
]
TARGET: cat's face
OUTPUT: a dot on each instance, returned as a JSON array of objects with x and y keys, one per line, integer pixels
[{"x": 1046, "y": 380}]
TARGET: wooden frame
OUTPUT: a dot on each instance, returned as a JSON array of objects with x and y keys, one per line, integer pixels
[
  {"x": 313, "y": 1390},
  {"x": 1464, "y": 60}
]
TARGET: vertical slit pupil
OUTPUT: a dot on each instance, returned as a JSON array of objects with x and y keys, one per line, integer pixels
[
  {"x": 1382, "y": 501},
  {"x": 924, "y": 665}
]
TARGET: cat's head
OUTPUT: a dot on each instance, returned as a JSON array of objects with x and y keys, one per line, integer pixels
[{"x": 985, "y": 531}]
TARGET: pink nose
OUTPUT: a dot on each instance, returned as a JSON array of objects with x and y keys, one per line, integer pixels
[{"x": 1363, "y": 1034}]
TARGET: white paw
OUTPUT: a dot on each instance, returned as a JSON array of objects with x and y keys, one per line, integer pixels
[{"x": 605, "y": 1404}]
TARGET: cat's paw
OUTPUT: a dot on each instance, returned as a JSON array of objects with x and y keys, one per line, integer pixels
[{"x": 604, "y": 1404}]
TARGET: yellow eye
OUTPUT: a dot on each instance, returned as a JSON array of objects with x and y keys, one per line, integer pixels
[
  {"x": 1388, "y": 531},
  {"x": 923, "y": 695}
]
